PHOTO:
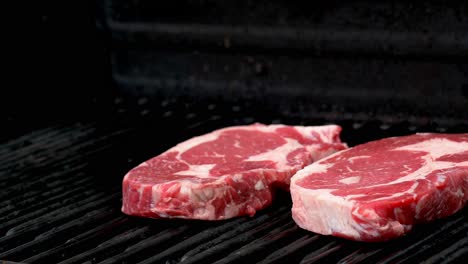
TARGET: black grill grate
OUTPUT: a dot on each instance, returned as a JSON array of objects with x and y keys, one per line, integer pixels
[{"x": 61, "y": 199}]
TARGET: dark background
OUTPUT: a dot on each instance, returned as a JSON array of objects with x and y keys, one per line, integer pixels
[
  {"x": 390, "y": 61},
  {"x": 59, "y": 69}
]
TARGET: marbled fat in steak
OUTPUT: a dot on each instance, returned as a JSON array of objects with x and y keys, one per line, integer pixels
[
  {"x": 229, "y": 172},
  {"x": 379, "y": 190}
]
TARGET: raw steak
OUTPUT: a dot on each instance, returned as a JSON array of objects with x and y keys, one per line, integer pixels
[
  {"x": 226, "y": 173},
  {"x": 379, "y": 190}
]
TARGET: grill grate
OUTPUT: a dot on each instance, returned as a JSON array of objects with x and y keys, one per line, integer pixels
[{"x": 61, "y": 200}]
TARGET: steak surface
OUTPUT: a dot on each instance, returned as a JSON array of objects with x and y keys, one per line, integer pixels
[
  {"x": 227, "y": 173},
  {"x": 379, "y": 190}
]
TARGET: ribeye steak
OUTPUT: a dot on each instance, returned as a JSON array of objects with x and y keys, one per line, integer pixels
[
  {"x": 379, "y": 190},
  {"x": 226, "y": 173}
]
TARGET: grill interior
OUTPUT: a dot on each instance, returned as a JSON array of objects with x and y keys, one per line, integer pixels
[
  {"x": 386, "y": 58},
  {"x": 160, "y": 72},
  {"x": 61, "y": 199}
]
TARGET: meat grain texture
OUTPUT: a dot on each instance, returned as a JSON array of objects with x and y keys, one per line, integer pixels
[
  {"x": 227, "y": 173},
  {"x": 379, "y": 190}
]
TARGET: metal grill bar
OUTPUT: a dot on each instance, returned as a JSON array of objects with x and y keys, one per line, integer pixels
[
  {"x": 57, "y": 235},
  {"x": 386, "y": 28},
  {"x": 27, "y": 230},
  {"x": 197, "y": 239},
  {"x": 290, "y": 249},
  {"x": 226, "y": 243},
  {"x": 152, "y": 242},
  {"x": 118, "y": 242},
  {"x": 48, "y": 180},
  {"x": 80, "y": 242},
  {"x": 451, "y": 254},
  {"x": 40, "y": 208},
  {"x": 414, "y": 43},
  {"x": 428, "y": 242},
  {"x": 56, "y": 143},
  {"x": 257, "y": 247},
  {"x": 27, "y": 205}
]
